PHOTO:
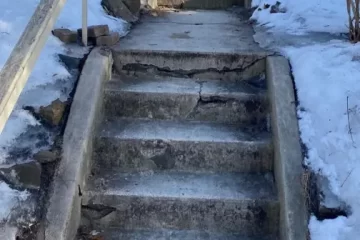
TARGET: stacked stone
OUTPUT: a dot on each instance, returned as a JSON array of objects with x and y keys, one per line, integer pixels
[{"x": 98, "y": 35}]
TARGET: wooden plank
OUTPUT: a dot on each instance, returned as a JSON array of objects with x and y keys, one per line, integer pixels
[{"x": 19, "y": 65}]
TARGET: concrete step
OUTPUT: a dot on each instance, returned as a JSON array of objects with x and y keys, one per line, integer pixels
[
  {"x": 137, "y": 144},
  {"x": 200, "y": 4},
  {"x": 227, "y": 202},
  {"x": 165, "y": 234},
  {"x": 185, "y": 99},
  {"x": 183, "y": 44}
]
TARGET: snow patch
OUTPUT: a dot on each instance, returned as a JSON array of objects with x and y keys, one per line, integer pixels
[
  {"x": 49, "y": 79},
  {"x": 326, "y": 70},
  {"x": 303, "y": 16}
]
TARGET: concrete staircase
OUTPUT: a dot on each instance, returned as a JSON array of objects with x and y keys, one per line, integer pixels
[{"x": 184, "y": 149}]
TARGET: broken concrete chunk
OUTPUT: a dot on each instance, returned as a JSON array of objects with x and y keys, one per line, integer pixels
[
  {"x": 25, "y": 175},
  {"x": 45, "y": 156},
  {"x": 53, "y": 113},
  {"x": 96, "y": 31},
  {"x": 118, "y": 8},
  {"x": 108, "y": 40},
  {"x": 65, "y": 35}
]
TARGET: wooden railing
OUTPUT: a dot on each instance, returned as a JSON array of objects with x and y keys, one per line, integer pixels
[{"x": 18, "y": 67}]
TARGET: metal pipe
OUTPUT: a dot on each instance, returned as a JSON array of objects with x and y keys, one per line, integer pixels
[{"x": 84, "y": 34}]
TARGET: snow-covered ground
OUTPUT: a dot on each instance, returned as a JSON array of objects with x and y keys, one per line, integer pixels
[
  {"x": 49, "y": 80},
  {"x": 326, "y": 68}
]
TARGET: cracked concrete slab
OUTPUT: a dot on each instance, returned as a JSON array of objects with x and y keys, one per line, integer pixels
[
  {"x": 183, "y": 44},
  {"x": 192, "y": 31},
  {"x": 184, "y": 98}
]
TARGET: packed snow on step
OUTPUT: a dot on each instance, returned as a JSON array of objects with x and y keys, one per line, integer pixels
[
  {"x": 327, "y": 78},
  {"x": 43, "y": 85}
]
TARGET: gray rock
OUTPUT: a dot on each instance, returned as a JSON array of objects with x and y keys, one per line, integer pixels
[
  {"x": 53, "y": 113},
  {"x": 65, "y": 35},
  {"x": 119, "y": 9},
  {"x": 133, "y": 6},
  {"x": 25, "y": 175},
  {"x": 108, "y": 40},
  {"x": 96, "y": 31},
  {"x": 45, "y": 156}
]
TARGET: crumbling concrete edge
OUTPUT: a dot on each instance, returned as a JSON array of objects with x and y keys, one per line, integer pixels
[
  {"x": 64, "y": 210},
  {"x": 288, "y": 158}
]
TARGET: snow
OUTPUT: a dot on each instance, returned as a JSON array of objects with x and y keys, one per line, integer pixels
[
  {"x": 49, "y": 80},
  {"x": 326, "y": 70}
]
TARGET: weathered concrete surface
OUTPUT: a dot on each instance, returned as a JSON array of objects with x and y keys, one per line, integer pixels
[
  {"x": 201, "y": 4},
  {"x": 174, "y": 235},
  {"x": 235, "y": 67},
  {"x": 192, "y": 43},
  {"x": 63, "y": 214},
  {"x": 192, "y": 31},
  {"x": 15, "y": 73},
  {"x": 184, "y": 98},
  {"x": 133, "y": 144},
  {"x": 288, "y": 158},
  {"x": 226, "y": 202}
]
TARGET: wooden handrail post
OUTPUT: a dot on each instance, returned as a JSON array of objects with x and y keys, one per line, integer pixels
[{"x": 84, "y": 23}]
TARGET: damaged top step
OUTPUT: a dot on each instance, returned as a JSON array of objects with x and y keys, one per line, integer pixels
[
  {"x": 200, "y": 4},
  {"x": 194, "y": 31},
  {"x": 219, "y": 43},
  {"x": 186, "y": 99}
]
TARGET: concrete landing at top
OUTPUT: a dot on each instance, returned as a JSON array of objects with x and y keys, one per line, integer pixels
[{"x": 191, "y": 31}]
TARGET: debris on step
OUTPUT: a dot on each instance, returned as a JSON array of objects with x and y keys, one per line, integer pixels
[
  {"x": 96, "y": 31},
  {"x": 22, "y": 176},
  {"x": 118, "y": 8},
  {"x": 108, "y": 40},
  {"x": 65, "y": 35},
  {"x": 53, "y": 114}
]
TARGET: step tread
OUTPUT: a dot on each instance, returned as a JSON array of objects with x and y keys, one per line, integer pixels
[
  {"x": 192, "y": 31},
  {"x": 165, "y": 234},
  {"x": 188, "y": 86},
  {"x": 145, "y": 129},
  {"x": 214, "y": 186}
]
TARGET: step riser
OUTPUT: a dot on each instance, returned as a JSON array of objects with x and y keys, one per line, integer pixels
[
  {"x": 185, "y": 107},
  {"x": 140, "y": 155},
  {"x": 200, "y": 4},
  {"x": 245, "y": 217},
  {"x": 235, "y": 67}
]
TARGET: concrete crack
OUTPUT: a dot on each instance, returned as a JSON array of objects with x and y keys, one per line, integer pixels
[{"x": 138, "y": 67}]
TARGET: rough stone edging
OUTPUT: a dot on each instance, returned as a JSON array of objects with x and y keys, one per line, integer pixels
[
  {"x": 288, "y": 159},
  {"x": 64, "y": 210}
]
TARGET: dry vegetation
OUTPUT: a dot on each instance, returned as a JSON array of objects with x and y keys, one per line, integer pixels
[{"x": 353, "y": 12}]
